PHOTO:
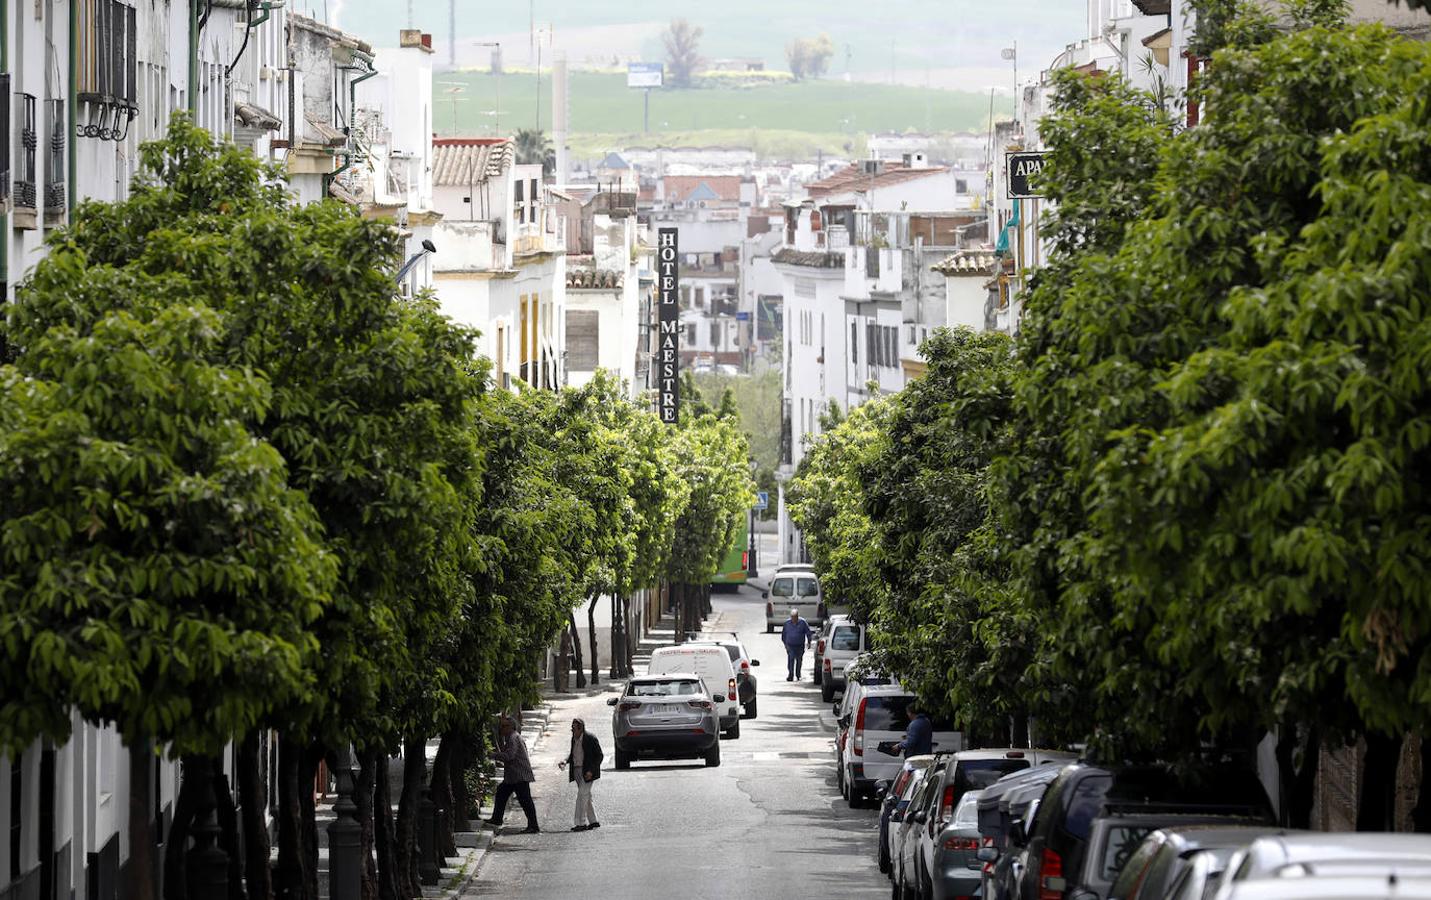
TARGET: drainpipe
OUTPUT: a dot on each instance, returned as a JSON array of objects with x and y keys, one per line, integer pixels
[
  {"x": 352, "y": 109},
  {"x": 193, "y": 58}
]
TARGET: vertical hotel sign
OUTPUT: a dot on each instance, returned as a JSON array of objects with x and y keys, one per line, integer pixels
[{"x": 668, "y": 350}]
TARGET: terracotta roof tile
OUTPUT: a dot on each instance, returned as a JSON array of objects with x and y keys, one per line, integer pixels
[
  {"x": 854, "y": 178},
  {"x": 469, "y": 160},
  {"x": 680, "y": 187}
]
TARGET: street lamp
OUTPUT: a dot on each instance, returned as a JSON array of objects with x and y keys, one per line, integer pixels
[
  {"x": 427, "y": 247},
  {"x": 751, "y": 571},
  {"x": 495, "y": 68}
]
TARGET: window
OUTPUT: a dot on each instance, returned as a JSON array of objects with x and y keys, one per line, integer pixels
[
  {"x": 107, "y": 76},
  {"x": 782, "y": 587},
  {"x": 961, "y": 186},
  {"x": 846, "y": 637},
  {"x": 4, "y": 139},
  {"x": 809, "y": 587},
  {"x": 583, "y": 330},
  {"x": 691, "y": 334},
  {"x": 715, "y": 335},
  {"x": 520, "y": 201},
  {"x": 854, "y": 345},
  {"x": 25, "y": 172}
]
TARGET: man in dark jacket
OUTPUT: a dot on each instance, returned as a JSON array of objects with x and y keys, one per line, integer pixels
[
  {"x": 919, "y": 738},
  {"x": 583, "y": 766},
  {"x": 796, "y": 635}
]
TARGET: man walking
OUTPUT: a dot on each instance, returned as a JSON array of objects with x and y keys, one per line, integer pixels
[
  {"x": 796, "y": 636},
  {"x": 584, "y": 761},
  {"x": 517, "y": 776}
]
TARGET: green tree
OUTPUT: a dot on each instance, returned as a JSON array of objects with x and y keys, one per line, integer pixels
[{"x": 534, "y": 148}]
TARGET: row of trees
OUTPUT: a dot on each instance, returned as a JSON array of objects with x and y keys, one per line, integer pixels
[
  {"x": 1187, "y": 506},
  {"x": 246, "y": 489}
]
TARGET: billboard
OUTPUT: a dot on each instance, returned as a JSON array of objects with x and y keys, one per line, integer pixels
[
  {"x": 644, "y": 75},
  {"x": 668, "y": 347}
]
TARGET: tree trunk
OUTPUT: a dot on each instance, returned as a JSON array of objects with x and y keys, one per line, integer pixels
[
  {"x": 414, "y": 772},
  {"x": 1421, "y": 813},
  {"x": 591, "y": 636},
  {"x": 579, "y": 667},
  {"x": 363, "y": 797},
  {"x": 461, "y": 799},
  {"x": 313, "y": 754},
  {"x": 1376, "y": 808},
  {"x": 1304, "y": 789},
  {"x": 441, "y": 783},
  {"x": 227, "y": 817},
  {"x": 176, "y": 886},
  {"x": 288, "y": 877},
  {"x": 390, "y": 879},
  {"x": 139, "y": 873},
  {"x": 1020, "y": 733},
  {"x": 561, "y": 670},
  {"x": 618, "y": 654},
  {"x": 253, "y": 795}
]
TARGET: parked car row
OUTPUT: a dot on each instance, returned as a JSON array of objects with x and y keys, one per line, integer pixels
[
  {"x": 691, "y": 696},
  {"x": 1016, "y": 824}
]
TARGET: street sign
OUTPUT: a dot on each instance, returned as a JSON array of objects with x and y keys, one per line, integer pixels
[
  {"x": 668, "y": 350},
  {"x": 1023, "y": 166},
  {"x": 762, "y": 500},
  {"x": 742, "y": 316},
  {"x": 644, "y": 75}
]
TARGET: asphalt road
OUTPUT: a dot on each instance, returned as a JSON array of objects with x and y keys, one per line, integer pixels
[{"x": 769, "y": 822}]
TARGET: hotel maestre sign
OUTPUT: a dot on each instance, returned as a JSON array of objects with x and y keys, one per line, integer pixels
[{"x": 668, "y": 347}]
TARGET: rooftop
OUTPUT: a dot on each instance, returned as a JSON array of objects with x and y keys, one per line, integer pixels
[
  {"x": 684, "y": 188},
  {"x": 815, "y": 259},
  {"x": 469, "y": 160},
  {"x": 966, "y": 262},
  {"x": 593, "y": 279},
  {"x": 854, "y": 178}
]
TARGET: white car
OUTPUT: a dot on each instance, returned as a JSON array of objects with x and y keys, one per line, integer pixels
[
  {"x": 873, "y": 718},
  {"x": 1309, "y": 857},
  {"x": 712, "y": 663},
  {"x": 796, "y": 589},
  {"x": 745, "y": 680},
  {"x": 841, "y": 641}
]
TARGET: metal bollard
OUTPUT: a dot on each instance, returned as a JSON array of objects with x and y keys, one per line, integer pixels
[
  {"x": 427, "y": 867},
  {"x": 345, "y": 838}
]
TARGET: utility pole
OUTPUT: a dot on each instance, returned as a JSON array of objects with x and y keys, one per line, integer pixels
[{"x": 451, "y": 33}]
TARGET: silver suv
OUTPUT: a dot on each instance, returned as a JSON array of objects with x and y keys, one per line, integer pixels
[{"x": 665, "y": 717}]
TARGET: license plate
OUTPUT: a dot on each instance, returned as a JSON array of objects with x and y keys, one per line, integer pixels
[{"x": 665, "y": 710}]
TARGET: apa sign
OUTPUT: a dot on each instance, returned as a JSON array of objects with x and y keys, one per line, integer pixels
[
  {"x": 668, "y": 347},
  {"x": 1023, "y": 166}
]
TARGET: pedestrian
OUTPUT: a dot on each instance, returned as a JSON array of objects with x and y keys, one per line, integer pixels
[
  {"x": 584, "y": 761},
  {"x": 517, "y": 775},
  {"x": 919, "y": 737},
  {"x": 796, "y": 636}
]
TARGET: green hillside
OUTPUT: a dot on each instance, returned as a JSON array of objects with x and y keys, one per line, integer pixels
[{"x": 601, "y": 104}]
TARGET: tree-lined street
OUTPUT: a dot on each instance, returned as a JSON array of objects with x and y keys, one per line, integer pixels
[{"x": 768, "y": 822}]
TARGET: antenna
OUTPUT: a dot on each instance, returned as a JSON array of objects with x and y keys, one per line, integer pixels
[{"x": 451, "y": 33}]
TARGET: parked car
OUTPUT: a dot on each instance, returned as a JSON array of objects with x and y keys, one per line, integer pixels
[
  {"x": 665, "y": 717},
  {"x": 843, "y": 721},
  {"x": 894, "y": 799},
  {"x": 1092, "y": 818},
  {"x": 904, "y": 835},
  {"x": 797, "y": 589},
  {"x": 745, "y": 682},
  {"x": 964, "y": 773},
  {"x": 1363, "y": 887},
  {"x": 873, "y": 719},
  {"x": 841, "y": 641},
  {"x": 1309, "y": 857},
  {"x": 1005, "y": 810},
  {"x": 712, "y": 664},
  {"x": 1163, "y": 857},
  {"x": 949, "y": 865}
]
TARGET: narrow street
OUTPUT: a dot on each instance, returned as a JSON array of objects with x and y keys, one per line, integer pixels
[{"x": 769, "y": 822}]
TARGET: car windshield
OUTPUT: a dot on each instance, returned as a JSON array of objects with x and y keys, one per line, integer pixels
[
  {"x": 782, "y": 587},
  {"x": 980, "y": 773},
  {"x": 1084, "y": 805},
  {"x": 966, "y": 814},
  {"x": 667, "y": 688},
  {"x": 1119, "y": 845},
  {"x": 846, "y": 637},
  {"x": 809, "y": 587},
  {"x": 888, "y": 713}
]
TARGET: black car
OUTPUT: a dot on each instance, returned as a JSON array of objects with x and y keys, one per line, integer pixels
[{"x": 1093, "y": 817}]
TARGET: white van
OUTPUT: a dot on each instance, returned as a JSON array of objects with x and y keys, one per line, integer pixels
[
  {"x": 872, "y": 718},
  {"x": 796, "y": 589},
  {"x": 711, "y": 662}
]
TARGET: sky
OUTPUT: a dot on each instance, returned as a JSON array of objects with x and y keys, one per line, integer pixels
[{"x": 941, "y": 43}]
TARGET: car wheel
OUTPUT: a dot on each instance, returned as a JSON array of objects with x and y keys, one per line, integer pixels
[
  {"x": 750, "y": 710},
  {"x": 623, "y": 761},
  {"x": 734, "y": 733},
  {"x": 856, "y": 799},
  {"x": 827, "y": 692},
  {"x": 896, "y": 886},
  {"x": 817, "y": 671},
  {"x": 883, "y": 859},
  {"x": 713, "y": 756},
  {"x": 840, "y": 778},
  {"x": 769, "y": 629}
]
